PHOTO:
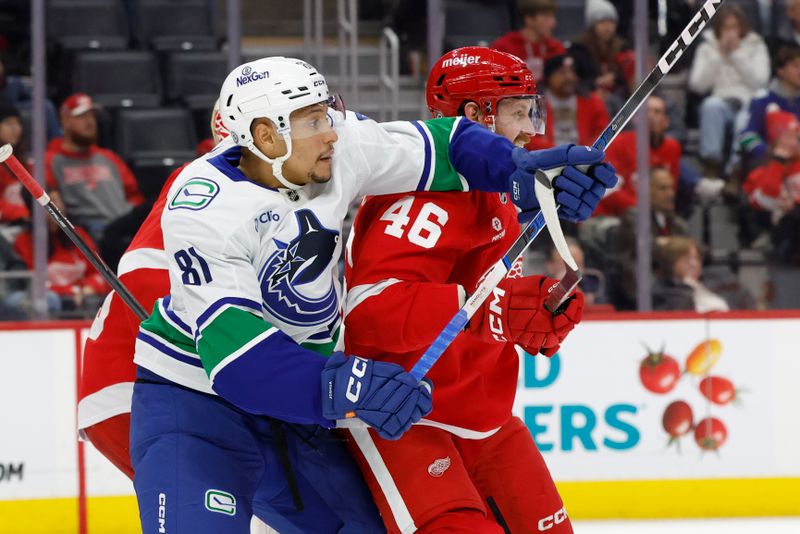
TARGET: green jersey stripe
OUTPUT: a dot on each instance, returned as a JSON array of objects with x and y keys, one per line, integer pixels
[
  {"x": 157, "y": 324},
  {"x": 324, "y": 347},
  {"x": 445, "y": 177},
  {"x": 241, "y": 350},
  {"x": 229, "y": 332}
]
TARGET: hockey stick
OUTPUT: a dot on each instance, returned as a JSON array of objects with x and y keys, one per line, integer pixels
[
  {"x": 548, "y": 215},
  {"x": 33, "y": 187}
]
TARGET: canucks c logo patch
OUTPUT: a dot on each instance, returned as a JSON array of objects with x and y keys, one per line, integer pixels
[
  {"x": 195, "y": 194},
  {"x": 299, "y": 263}
]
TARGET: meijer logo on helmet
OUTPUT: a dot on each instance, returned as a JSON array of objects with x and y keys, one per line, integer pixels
[
  {"x": 460, "y": 60},
  {"x": 248, "y": 75}
]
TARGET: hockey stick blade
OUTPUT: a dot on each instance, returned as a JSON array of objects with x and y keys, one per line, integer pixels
[
  {"x": 543, "y": 187},
  {"x": 623, "y": 116}
]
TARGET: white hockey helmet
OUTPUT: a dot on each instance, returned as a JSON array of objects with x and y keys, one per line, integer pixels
[{"x": 271, "y": 87}]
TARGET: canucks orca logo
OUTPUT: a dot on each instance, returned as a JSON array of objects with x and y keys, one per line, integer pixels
[{"x": 296, "y": 263}]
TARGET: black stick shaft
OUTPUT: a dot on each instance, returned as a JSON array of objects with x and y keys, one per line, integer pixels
[{"x": 101, "y": 266}]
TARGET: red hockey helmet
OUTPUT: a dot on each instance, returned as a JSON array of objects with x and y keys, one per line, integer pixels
[{"x": 484, "y": 76}]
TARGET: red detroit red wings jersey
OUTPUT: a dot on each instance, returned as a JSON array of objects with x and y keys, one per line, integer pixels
[
  {"x": 409, "y": 258},
  {"x": 106, "y": 383}
]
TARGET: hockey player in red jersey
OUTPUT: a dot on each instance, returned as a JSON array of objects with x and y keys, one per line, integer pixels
[
  {"x": 470, "y": 466},
  {"x": 106, "y": 382}
]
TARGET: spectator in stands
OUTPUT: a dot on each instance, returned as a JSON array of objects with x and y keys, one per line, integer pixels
[
  {"x": 768, "y": 183},
  {"x": 792, "y": 37},
  {"x": 603, "y": 60},
  {"x": 664, "y": 152},
  {"x": 12, "y": 209},
  {"x": 784, "y": 90},
  {"x": 664, "y": 222},
  {"x": 571, "y": 117},
  {"x": 593, "y": 283},
  {"x": 10, "y": 261},
  {"x": 534, "y": 43},
  {"x": 732, "y": 63},
  {"x": 18, "y": 91},
  {"x": 97, "y": 187},
  {"x": 73, "y": 284},
  {"x": 774, "y": 187},
  {"x": 680, "y": 284}
]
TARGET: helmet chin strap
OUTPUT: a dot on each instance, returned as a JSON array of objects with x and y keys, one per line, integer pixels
[{"x": 277, "y": 163}]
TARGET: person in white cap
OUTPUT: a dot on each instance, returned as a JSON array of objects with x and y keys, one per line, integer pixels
[
  {"x": 603, "y": 60},
  {"x": 97, "y": 187}
]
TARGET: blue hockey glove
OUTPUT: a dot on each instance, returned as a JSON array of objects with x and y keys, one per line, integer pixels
[
  {"x": 577, "y": 191},
  {"x": 381, "y": 394}
]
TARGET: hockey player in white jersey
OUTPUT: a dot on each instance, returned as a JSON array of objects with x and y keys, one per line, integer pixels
[{"x": 236, "y": 379}]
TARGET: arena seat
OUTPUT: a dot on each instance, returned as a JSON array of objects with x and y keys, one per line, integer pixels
[
  {"x": 193, "y": 78},
  {"x": 470, "y": 23},
  {"x": 119, "y": 78},
  {"x": 87, "y": 24},
  {"x": 169, "y": 25},
  {"x": 154, "y": 142}
]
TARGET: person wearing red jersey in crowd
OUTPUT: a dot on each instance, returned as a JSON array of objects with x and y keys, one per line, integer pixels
[
  {"x": 470, "y": 466},
  {"x": 72, "y": 282},
  {"x": 665, "y": 151},
  {"x": 106, "y": 383},
  {"x": 775, "y": 186},
  {"x": 572, "y": 117},
  {"x": 12, "y": 208},
  {"x": 534, "y": 42},
  {"x": 96, "y": 185}
]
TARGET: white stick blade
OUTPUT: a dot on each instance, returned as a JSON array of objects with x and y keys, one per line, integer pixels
[
  {"x": 5, "y": 152},
  {"x": 547, "y": 203}
]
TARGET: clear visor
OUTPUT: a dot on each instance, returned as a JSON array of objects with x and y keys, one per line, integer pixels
[
  {"x": 316, "y": 119},
  {"x": 526, "y": 114}
]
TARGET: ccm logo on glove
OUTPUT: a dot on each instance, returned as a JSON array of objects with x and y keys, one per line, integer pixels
[
  {"x": 354, "y": 384},
  {"x": 552, "y": 287},
  {"x": 496, "y": 315},
  {"x": 382, "y": 394},
  {"x": 515, "y": 313}
]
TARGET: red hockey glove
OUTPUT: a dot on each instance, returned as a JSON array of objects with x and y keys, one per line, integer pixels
[{"x": 515, "y": 312}]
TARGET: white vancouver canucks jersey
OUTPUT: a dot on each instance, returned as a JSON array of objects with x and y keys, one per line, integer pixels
[{"x": 250, "y": 265}]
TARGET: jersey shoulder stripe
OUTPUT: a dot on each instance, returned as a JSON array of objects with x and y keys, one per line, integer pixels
[
  {"x": 239, "y": 302},
  {"x": 424, "y": 180},
  {"x": 445, "y": 177},
  {"x": 228, "y": 335},
  {"x": 244, "y": 349}
]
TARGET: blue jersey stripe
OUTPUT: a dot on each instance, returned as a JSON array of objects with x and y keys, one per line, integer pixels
[
  {"x": 161, "y": 347},
  {"x": 427, "y": 167},
  {"x": 228, "y": 301},
  {"x": 174, "y": 316}
]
